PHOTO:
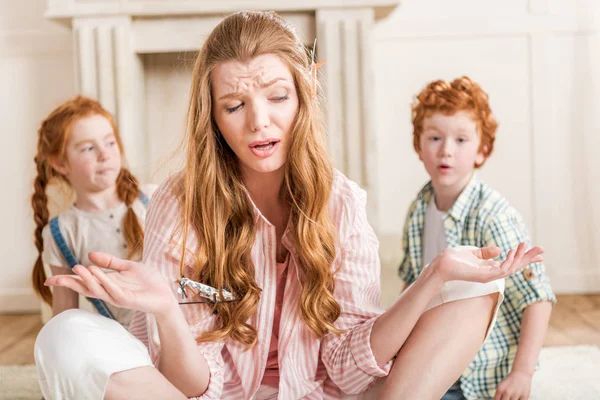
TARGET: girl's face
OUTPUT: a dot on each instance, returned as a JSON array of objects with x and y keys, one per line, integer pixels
[
  {"x": 255, "y": 105},
  {"x": 93, "y": 157}
]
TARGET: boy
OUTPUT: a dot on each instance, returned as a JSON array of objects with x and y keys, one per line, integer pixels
[{"x": 453, "y": 134}]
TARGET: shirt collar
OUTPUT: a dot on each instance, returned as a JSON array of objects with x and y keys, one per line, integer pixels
[{"x": 461, "y": 206}]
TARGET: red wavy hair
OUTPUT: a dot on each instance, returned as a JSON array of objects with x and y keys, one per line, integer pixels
[
  {"x": 462, "y": 94},
  {"x": 53, "y": 136}
]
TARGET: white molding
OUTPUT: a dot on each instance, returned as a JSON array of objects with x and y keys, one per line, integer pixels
[
  {"x": 66, "y": 9},
  {"x": 446, "y": 28},
  {"x": 542, "y": 126},
  {"x": 18, "y": 300},
  {"x": 344, "y": 41},
  {"x": 171, "y": 34},
  {"x": 540, "y": 7},
  {"x": 107, "y": 69},
  {"x": 34, "y": 43}
]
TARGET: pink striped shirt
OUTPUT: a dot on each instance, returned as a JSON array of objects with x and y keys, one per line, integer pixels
[{"x": 309, "y": 367}]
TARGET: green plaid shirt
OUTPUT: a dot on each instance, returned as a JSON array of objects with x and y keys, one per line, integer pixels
[{"x": 482, "y": 217}]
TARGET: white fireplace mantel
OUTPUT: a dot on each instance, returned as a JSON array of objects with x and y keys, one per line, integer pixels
[{"x": 110, "y": 36}]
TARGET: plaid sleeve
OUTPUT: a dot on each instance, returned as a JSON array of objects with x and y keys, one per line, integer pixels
[
  {"x": 531, "y": 284},
  {"x": 405, "y": 271}
]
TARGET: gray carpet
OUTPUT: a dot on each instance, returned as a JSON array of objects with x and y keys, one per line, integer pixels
[{"x": 566, "y": 373}]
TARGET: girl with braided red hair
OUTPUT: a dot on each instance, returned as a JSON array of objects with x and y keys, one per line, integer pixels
[{"x": 79, "y": 145}]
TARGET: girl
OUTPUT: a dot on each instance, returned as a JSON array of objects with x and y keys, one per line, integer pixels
[
  {"x": 79, "y": 144},
  {"x": 259, "y": 213}
]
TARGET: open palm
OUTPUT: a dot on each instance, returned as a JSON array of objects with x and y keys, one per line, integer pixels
[
  {"x": 477, "y": 264},
  {"x": 132, "y": 285}
]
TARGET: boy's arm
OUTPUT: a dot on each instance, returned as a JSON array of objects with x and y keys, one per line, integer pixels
[
  {"x": 533, "y": 331},
  {"x": 530, "y": 293}
]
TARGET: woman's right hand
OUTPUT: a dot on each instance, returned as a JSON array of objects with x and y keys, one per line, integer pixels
[
  {"x": 132, "y": 285},
  {"x": 477, "y": 264}
]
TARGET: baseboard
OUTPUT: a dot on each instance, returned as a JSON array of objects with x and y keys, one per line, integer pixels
[
  {"x": 576, "y": 282},
  {"x": 21, "y": 300},
  {"x": 573, "y": 281}
]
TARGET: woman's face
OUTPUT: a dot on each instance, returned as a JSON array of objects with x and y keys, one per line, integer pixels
[{"x": 255, "y": 105}]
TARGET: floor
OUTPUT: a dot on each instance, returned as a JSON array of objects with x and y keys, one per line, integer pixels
[{"x": 575, "y": 320}]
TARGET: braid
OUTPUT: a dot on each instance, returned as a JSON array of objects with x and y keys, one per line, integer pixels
[
  {"x": 39, "y": 202},
  {"x": 128, "y": 191}
]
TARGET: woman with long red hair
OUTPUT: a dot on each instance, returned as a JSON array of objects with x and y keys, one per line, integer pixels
[{"x": 269, "y": 254}]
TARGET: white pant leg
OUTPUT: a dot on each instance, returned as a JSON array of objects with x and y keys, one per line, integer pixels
[{"x": 77, "y": 351}]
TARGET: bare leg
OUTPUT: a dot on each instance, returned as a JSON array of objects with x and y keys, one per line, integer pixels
[
  {"x": 440, "y": 347},
  {"x": 141, "y": 383}
]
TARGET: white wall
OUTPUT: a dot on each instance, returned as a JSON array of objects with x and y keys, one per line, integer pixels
[
  {"x": 35, "y": 75},
  {"x": 538, "y": 61}
]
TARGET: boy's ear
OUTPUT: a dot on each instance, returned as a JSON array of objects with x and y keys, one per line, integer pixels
[
  {"x": 481, "y": 156},
  {"x": 59, "y": 167}
]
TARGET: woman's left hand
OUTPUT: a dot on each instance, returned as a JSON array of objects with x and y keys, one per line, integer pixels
[
  {"x": 516, "y": 386},
  {"x": 132, "y": 285},
  {"x": 477, "y": 265}
]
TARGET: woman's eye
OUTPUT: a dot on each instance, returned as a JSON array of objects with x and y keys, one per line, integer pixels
[
  {"x": 280, "y": 98},
  {"x": 233, "y": 109}
]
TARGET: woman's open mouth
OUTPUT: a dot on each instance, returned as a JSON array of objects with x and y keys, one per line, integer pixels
[{"x": 264, "y": 148}]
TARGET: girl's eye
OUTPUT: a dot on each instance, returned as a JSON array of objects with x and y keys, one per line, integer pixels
[
  {"x": 461, "y": 140},
  {"x": 112, "y": 143},
  {"x": 87, "y": 149},
  {"x": 233, "y": 109},
  {"x": 434, "y": 138}
]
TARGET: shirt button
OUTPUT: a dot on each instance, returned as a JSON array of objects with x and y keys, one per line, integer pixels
[
  {"x": 111, "y": 216},
  {"x": 124, "y": 246},
  {"x": 118, "y": 230},
  {"x": 528, "y": 274}
]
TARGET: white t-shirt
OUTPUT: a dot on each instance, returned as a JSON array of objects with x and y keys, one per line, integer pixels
[
  {"x": 434, "y": 242},
  {"x": 85, "y": 232},
  {"x": 434, "y": 237}
]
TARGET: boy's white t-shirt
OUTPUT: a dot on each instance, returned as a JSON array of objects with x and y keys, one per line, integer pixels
[
  {"x": 434, "y": 236},
  {"x": 85, "y": 232},
  {"x": 434, "y": 242}
]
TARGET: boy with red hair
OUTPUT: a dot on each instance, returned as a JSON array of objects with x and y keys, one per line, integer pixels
[{"x": 453, "y": 134}]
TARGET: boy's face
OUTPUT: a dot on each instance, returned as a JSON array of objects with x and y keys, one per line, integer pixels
[{"x": 450, "y": 149}]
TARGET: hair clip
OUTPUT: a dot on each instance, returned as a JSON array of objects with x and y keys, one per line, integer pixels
[
  {"x": 205, "y": 291},
  {"x": 313, "y": 70}
]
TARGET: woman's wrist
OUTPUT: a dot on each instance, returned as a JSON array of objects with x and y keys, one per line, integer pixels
[
  {"x": 431, "y": 274},
  {"x": 166, "y": 310}
]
